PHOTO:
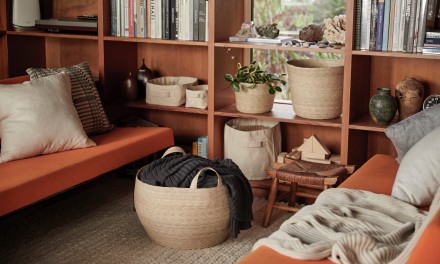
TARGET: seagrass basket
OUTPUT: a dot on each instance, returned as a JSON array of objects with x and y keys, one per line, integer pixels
[
  {"x": 255, "y": 100},
  {"x": 184, "y": 218},
  {"x": 316, "y": 87}
]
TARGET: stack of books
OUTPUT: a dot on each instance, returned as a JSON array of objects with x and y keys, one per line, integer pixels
[
  {"x": 200, "y": 147},
  {"x": 392, "y": 25},
  {"x": 160, "y": 19}
]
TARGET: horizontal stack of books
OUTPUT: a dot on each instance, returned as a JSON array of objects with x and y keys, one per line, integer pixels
[
  {"x": 393, "y": 25},
  {"x": 160, "y": 19}
]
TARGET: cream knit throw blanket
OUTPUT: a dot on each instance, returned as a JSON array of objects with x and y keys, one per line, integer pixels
[{"x": 348, "y": 226}]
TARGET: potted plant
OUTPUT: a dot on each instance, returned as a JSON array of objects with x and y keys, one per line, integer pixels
[{"x": 254, "y": 88}]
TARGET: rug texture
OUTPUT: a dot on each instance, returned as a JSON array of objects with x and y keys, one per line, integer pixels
[{"x": 98, "y": 224}]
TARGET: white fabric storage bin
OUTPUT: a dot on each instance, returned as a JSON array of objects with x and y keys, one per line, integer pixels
[
  {"x": 169, "y": 91},
  {"x": 197, "y": 96},
  {"x": 253, "y": 145}
]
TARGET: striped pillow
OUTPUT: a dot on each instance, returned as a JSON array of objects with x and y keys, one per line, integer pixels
[{"x": 84, "y": 94}]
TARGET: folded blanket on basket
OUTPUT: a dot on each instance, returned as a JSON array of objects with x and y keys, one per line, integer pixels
[
  {"x": 348, "y": 226},
  {"x": 178, "y": 170}
]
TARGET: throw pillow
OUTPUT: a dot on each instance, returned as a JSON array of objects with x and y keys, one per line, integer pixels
[
  {"x": 84, "y": 94},
  {"x": 38, "y": 117},
  {"x": 409, "y": 131},
  {"x": 418, "y": 176}
]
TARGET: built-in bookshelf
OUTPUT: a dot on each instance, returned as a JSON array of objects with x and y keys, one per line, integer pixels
[{"x": 353, "y": 135}]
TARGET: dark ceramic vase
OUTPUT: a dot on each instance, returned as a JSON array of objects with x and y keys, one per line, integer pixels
[
  {"x": 383, "y": 106},
  {"x": 130, "y": 89},
  {"x": 143, "y": 75}
]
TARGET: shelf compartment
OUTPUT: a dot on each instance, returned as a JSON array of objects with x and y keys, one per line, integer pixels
[
  {"x": 248, "y": 45},
  {"x": 157, "y": 41},
  {"x": 52, "y": 35},
  {"x": 395, "y": 54},
  {"x": 280, "y": 112},
  {"x": 181, "y": 109}
]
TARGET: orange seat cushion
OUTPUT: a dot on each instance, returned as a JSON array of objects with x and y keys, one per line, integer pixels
[{"x": 26, "y": 181}]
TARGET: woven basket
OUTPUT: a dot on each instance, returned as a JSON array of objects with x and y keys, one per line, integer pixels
[
  {"x": 197, "y": 96},
  {"x": 316, "y": 87},
  {"x": 255, "y": 100},
  {"x": 184, "y": 218},
  {"x": 169, "y": 91}
]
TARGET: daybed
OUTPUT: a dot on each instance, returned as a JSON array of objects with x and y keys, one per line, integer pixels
[
  {"x": 376, "y": 175},
  {"x": 26, "y": 181}
]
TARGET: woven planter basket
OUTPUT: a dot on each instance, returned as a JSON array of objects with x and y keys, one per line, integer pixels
[
  {"x": 316, "y": 87},
  {"x": 184, "y": 218},
  {"x": 255, "y": 100}
]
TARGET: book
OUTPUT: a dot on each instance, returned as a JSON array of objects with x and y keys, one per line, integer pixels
[
  {"x": 391, "y": 25},
  {"x": 432, "y": 40},
  {"x": 124, "y": 13},
  {"x": 173, "y": 19},
  {"x": 416, "y": 25},
  {"x": 373, "y": 24},
  {"x": 190, "y": 19},
  {"x": 386, "y": 25},
  {"x": 406, "y": 11},
  {"x": 202, "y": 146},
  {"x": 202, "y": 20},
  {"x": 379, "y": 24},
  {"x": 278, "y": 40},
  {"x": 166, "y": 19},
  {"x": 119, "y": 20},
  {"x": 152, "y": 18},
  {"x": 147, "y": 18},
  {"x": 113, "y": 18},
  {"x": 431, "y": 50},
  {"x": 365, "y": 28},
  {"x": 396, "y": 26},
  {"x": 158, "y": 23},
  {"x": 431, "y": 13},
  {"x": 140, "y": 18},
  {"x": 432, "y": 34},
  {"x": 411, "y": 26},
  {"x": 195, "y": 20},
  {"x": 357, "y": 25},
  {"x": 207, "y": 21},
  {"x": 131, "y": 25}
]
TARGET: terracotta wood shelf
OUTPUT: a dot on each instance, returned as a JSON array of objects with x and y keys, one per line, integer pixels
[
  {"x": 248, "y": 45},
  {"x": 395, "y": 54},
  {"x": 280, "y": 112},
  {"x": 157, "y": 41},
  {"x": 52, "y": 35},
  {"x": 367, "y": 124},
  {"x": 181, "y": 109}
]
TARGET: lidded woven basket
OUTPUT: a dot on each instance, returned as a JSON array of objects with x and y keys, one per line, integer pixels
[{"x": 316, "y": 87}]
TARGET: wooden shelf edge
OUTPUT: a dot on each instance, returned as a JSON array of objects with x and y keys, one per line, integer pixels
[
  {"x": 227, "y": 44},
  {"x": 366, "y": 123},
  {"x": 182, "y": 109},
  {"x": 282, "y": 113},
  {"x": 51, "y": 35},
  {"x": 157, "y": 41},
  {"x": 395, "y": 54}
]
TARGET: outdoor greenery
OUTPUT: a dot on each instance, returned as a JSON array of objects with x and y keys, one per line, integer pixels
[{"x": 292, "y": 16}]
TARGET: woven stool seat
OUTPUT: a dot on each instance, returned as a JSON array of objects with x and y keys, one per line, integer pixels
[{"x": 303, "y": 173}]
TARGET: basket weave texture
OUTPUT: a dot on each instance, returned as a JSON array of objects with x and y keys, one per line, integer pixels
[
  {"x": 169, "y": 91},
  {"x": 255, "y": 100},
  {"x": 184, "y": 218},
  {"x": 316, "y": 87}
]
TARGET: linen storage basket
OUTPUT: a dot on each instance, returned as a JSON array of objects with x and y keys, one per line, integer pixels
[
  {"x": 253, "y": 145},
  {"x": 183, "y": 218},
  {"x": 197, "y": 96},
  {"x": 316, "y": 87},
  {"x": 168, "y": 91}
]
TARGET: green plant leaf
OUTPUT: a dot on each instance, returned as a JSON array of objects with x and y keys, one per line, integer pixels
[
  {"x": 236, "y": 87},
  {"x": 271, "y": 90},
  {"x": 278, "y": 89},
  {"x": 229, "y": 78}
]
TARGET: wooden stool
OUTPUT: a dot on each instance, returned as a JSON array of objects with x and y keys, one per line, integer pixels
[{"x": 306, "y": 179}]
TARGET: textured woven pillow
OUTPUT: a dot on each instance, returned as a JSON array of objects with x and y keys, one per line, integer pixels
[
  {"x": 84, "y": 94},
  {"x": 38, "y": 117}
]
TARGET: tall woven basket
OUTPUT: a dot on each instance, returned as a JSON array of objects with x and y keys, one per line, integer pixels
[
  {"x": 255, "y": 100},
  {"x": 316, "y": 87},
  {"x": 184, "y": 218}
]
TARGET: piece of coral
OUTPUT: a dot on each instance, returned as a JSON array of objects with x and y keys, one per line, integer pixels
[
  {"x": 247, "y": 30},
  {"x": 311, "y": 33},
  {"x": 335, "y": 29},
  {"x": 268, "y": 31}
]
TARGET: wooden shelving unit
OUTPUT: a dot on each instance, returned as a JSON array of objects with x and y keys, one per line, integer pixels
[{"x": 353, "y": 135}]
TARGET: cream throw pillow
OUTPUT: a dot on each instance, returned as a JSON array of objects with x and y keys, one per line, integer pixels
[
  {"x": 38, "y": 117},
  {"x": 418, "y": 176}
]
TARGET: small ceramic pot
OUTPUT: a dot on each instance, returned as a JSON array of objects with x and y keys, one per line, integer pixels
[{"x": 383, "y": 106}]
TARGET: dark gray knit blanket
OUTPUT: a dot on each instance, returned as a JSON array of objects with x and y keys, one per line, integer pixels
[{"x": 178, "y": 170}]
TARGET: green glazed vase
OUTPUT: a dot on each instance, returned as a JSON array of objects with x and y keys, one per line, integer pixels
[{"x": 383, "y": 106}]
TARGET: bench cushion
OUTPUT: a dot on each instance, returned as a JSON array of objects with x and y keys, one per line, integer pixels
[{"x": 25, "y": 181}]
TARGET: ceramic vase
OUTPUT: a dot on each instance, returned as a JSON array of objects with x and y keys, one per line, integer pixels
[
  {"x": 383, "y": 106},
  {"x": 410, "y": 94},
  {"x": 129, "y": 89},
  {"x": 143, "y": 75}
]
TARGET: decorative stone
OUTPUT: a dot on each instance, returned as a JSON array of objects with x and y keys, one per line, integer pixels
[
  {"x": 298, "y": 45},
  {"x": 311, "y": 33},
  {"x": 337, "y": 46},
  {"x": 322, "y": 45},
  {"x": 323, "y": 42},
  {"x": 268, "y": 31},
  {"x": 247, "y": 30},
  {"x": 306, "y": 44},
  {"x": 410, "y": 94},
  {"x": 382, "y": 106}
]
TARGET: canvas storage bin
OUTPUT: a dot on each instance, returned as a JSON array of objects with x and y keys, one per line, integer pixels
[
  {"x": 197, "y": 96},
  {"x": 184, "y": 218},
  {"x": 316, "y": 87},
  {"x": 169, "y": 91},
  {"x": 253, "y": 145}
]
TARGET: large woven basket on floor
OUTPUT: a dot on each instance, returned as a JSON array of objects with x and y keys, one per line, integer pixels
[
  {"x": 255, "y": 100},
  {"x": 184, "y": 218},
  {"x": 316, "y": 87}
]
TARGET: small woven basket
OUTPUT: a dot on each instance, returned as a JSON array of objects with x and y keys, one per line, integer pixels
[
  {"x": 197, "y": 96},
  {"x": 169, "y": 91},
  {"x": 316, "y": 87},
  {"x": 255, "y": 100},
  {"x": 184, "y": 218}
]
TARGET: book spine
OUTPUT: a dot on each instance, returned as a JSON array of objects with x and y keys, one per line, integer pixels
[
  {"x": 195, "y": 148},
  {"x": 396, "y": 29},
  {"x": 126, "y": 21},
  {"x": 207, "y": 21},
  {"x": 391, "y": 26},
  {"x": 432, "y": 41},
  {"x": 195, "y": 20},
  {"x": 180, "y": 19},
  {"x": 159, "y": 19},
  {"x": 431, "y": 13},
  {"x": 422, "y": 25},
  {"x": 373, "y": 24},
  {"x": 130, "y": 18},
  {"x": 177, "y": 17},
  {"x": 202, "y": 144},
  {"x": 202, "y": 20},
  {"x": 365, "y": 30},
  {"x": 190, "y": 18},
  {"x": 139, "y": 16},
  {"x": 416, "y": 25},
  {"x": 135, "y": 14},
  {"x": 386, "y": 25},
  {"x": 113, "y": 19},
  {"x": 380, "y": 24},
  {"x": 153, "y": 33},
  {"x": 173, "y": 19},
  {"x": 148, "y": 18},
  {"x": 411, "y": 26},
  {"x": 406, "y": 24},
  {"x": 166, "y": 20},
  {"x": 118, "y": 18},
  {"x": 402, "y": 25},
  {"x": 357, "y": 25}
]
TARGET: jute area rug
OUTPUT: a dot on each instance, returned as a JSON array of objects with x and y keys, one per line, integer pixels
[{"x": 98, "y": 224}]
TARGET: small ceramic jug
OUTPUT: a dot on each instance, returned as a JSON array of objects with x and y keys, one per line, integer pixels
[{"x": 382, "y": 106}]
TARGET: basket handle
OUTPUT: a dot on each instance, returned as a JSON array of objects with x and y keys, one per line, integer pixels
[
  {"x": 160, "y": 94},
  {"x": 196, "y": 178},
  {"x": 174, "y": 149}
]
